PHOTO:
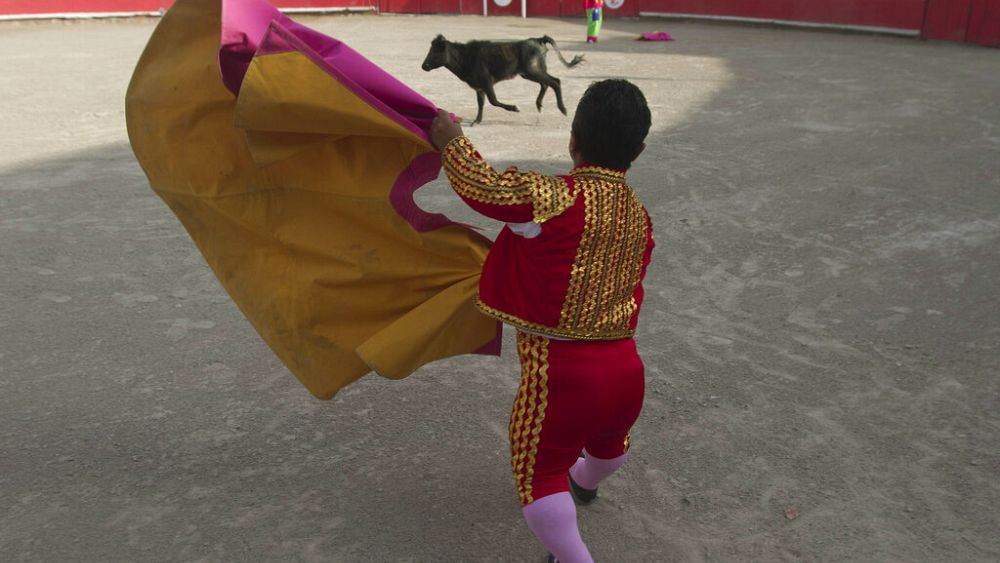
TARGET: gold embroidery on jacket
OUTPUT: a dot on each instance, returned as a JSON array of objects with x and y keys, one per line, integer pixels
[
  {"x": 529, "y": 411},
  {"x": 598, "y": 172},
  {"x": 473, "y": 178},
  {"x": 551, "y": 197},
  {"x": 608, "y": 263},
  {"x": 538, "y": 328}
]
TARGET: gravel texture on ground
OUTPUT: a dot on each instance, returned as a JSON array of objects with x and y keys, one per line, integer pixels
[{"x": 821, "y": 329}]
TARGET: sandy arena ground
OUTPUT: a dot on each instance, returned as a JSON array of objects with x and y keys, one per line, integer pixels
[{"x": 821, "y": 330}]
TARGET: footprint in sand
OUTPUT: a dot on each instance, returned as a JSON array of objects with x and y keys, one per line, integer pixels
[
  {"x": 130, "y": 299},
  {"x": 833, "y": 267},
  {"x": 180, "y": 327},
  {"x": 39, "y": 271},
  {"x": 54, "y": 297},
  {"x": 899, "y": 315}
]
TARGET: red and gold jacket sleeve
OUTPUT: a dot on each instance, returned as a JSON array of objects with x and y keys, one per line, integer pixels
[
  {"x": 512, "y": 196},
  {"x": 581, "y": 276}
]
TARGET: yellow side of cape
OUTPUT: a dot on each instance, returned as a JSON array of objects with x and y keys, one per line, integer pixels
[{"x": 285, "y": 190}]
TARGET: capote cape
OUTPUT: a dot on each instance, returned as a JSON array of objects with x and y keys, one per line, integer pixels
[{"x": 292, "y": 160}]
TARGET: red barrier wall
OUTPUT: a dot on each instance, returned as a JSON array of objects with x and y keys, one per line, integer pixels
[
  {"x": 984, "y": 23},
  {"x": 535, "y": 8},
  {"x": 973, "y": 21},
  {"x": 430, "y": 6},
  {"x": 947, "y": 19},
  {"x": 557, "y": 8},
  {"x": 899, "y": 14},
  {"x": 15, "y": 7}
]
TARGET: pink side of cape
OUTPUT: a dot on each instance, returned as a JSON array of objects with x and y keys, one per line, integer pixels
[
  {"x": 255, "y": 27},
  {"x": 245, "y": 25}
]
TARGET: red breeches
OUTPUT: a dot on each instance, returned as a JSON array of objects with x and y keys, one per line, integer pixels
[{"x": 574, "y": 394}]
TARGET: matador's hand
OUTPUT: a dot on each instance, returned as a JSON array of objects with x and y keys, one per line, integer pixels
[{"x": 444, "y": 128}]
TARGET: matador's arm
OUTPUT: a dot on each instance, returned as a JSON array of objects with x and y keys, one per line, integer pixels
[{"x": 512, "y": 196}]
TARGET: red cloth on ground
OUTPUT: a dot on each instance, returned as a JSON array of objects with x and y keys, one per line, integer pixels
[{"x": 656, "y": 36}]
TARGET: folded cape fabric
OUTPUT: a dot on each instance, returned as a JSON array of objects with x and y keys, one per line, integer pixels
[
  {"x": 655, "y": 36},
  {"x": 293, "y": 170}
]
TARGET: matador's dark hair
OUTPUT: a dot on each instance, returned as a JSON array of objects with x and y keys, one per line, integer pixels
[{"x": 611, "y": 122}]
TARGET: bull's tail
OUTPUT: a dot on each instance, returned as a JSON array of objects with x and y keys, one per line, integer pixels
[{"x": 576, "y": 60}]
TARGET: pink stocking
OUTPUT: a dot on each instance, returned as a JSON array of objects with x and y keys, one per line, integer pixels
[
  {"x": 553, "y": 521},
  {"x": 589, "y": 471}
]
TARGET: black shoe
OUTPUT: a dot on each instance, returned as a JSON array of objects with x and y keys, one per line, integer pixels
[
  {"x": 552, "y": 559},
  {"x": 581, "y": 495}
]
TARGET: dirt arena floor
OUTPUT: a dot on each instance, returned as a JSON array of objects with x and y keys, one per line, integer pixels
[{"x": 821, "y": 330}]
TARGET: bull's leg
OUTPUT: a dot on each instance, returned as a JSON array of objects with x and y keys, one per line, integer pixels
[
  {"x": 541, "y": 94},
  {"x": 480, "y": 98},
  {"x": 557, "y": 88},
  {"x": 547, "y": 81},
  {"x": 492, "y": 97}
]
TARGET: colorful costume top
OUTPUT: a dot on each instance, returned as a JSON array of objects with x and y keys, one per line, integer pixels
[
  {"x": 581, "y": 276},
  {"x": 595, "y": 15}
]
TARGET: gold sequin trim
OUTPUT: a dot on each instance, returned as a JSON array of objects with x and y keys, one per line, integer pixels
[
  {"x": 473, "y": 178},
  {"x": 608, "y": 264},
  {"x": 599, "y": 172},
  {"x": 575, "y": 334},
  {"x": 551, "y": 197},
  {"x": 528, "y": 411}
]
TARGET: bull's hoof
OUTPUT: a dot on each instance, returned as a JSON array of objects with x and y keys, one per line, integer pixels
[
  {"x": 513, "y": 108},
  {"x": 563, "y": 110}
]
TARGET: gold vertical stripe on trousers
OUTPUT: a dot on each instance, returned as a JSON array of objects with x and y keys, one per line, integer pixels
[
  {"x": 518, "y": 410},
  {"x": 531, "y": 395},
  {"x": 543, "y": 396},
  {"x": 528, "y": 411}
]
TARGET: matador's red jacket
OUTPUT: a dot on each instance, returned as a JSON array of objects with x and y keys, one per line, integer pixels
[{"x": 581, "y": 276}]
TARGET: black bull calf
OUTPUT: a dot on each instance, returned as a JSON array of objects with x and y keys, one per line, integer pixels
[{"x": 481, "y": 64}]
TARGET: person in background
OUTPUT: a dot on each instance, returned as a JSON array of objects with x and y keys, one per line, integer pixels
[{"x": 595, "y": 16}]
